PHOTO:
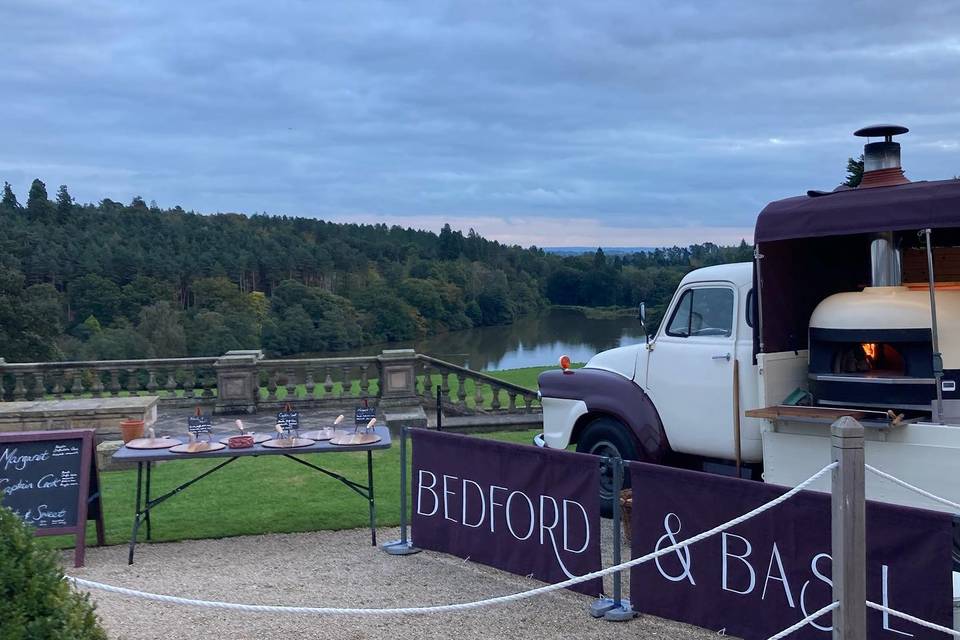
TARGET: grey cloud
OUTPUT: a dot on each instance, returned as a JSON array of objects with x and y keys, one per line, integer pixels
[{"x": 651, "y": 114}]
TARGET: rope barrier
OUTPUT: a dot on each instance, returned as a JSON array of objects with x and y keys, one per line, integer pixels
[
  {"x": 907, "y": 485},
  {"x": 802, "y": 623},
  {"x": 914, "y": 620},
  {"x": 463, "y": 606}
]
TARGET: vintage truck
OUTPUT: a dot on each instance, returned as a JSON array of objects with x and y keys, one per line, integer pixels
[{"x": 840, "y": 313}]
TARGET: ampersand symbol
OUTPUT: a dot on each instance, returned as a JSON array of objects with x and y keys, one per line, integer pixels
[{"x": 683, "y": 554}]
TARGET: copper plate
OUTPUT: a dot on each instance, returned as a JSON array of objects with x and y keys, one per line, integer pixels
[
  {"x": 152, "y": 443},
  {"x": 198, "y": 447},
  {"x": 320, "y": 434},
  {"x": 288, "y": 443},
  {"x": 347, "y": 438},
  {"x": 257, "y": 439}
]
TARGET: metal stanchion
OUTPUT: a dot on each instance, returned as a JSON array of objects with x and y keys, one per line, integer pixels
[
  {"x": 403, "y": 546},
  {"x": 616, "y": 608}
]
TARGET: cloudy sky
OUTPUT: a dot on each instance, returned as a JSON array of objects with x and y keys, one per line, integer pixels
[{"x": 551, "y": 123}]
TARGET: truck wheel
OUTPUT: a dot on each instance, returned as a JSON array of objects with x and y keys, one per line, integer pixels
[{"x": 611, "y": 438}]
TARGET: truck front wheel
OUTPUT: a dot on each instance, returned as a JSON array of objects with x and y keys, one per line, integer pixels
[{"x": 610, "y": 438}]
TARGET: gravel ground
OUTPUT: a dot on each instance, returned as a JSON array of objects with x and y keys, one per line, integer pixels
[{"x": 333, "y": 568}]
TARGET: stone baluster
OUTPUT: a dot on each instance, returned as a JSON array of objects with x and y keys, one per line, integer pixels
[
  {"x": 133, "y": 382},
  {"x": 58, "y": 380},
  {"x": 272, "y": 386},
  {"x": 364, "y": 381},
  {"x": 152, "y": 385},
  {"x": 460, "y": 396},
  {"x": 427, "y": 382},
  {"x": 513, "y": 401},
  {"x": 209, "y": 382},
  {"x": 171, "y": 384},
  {"x": 327, "y": 383},
  {"x": 96, "y": 388},
  {"x": 290, "y": 385},
  {"x": 77, "y": 387},
  {"x": 39, "y": 390},
  {"x": 308, "y": 383},
  {"x": 477, "y": 395},
  {"x": 114, "y": 382},
  {"x": 347, "y": 381},
  {"x": 19, "y": 390},
  {"x": 188, "y": 383},
  {"x": 495, "y": 403}
]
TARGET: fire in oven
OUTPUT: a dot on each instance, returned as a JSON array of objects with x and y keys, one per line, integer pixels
[{"x": 878, "y": 368}]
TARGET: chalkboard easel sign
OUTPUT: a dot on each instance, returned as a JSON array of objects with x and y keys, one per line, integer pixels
[
  {"x": 289, "y": 420},
  {"x": 199, "y": 424},
  {"x": 49, "y": 479}
]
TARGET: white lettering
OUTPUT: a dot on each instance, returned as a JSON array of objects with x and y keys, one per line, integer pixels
[
  {"x": 420, "y": 489},
  {"x": 566, "y": 526},
  {"x": 885, "y": 572},
  {"x": 493, "y": 505},
  {"x": 803, "y": 589},
  {"x": 446, "y": 492},
  {"x": 9, "y": 458},
  {"x": 775, "y": 555},
  {"x": 483, "y": 504},
  {"x": 532, "y": 515},
  {"x": 742, "y": 558}
]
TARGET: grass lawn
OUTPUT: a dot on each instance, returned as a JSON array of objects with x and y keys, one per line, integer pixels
[{"x": 268, "y": 494}]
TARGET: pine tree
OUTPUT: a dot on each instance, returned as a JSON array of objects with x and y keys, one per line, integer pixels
[
  {"x": 9, "y": 199},
  {"x": 64, "y": 202},
  {"x": 854, "y": 172},
  {"x": 37, "y": 203}
]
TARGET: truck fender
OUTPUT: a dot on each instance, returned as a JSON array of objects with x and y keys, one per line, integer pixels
[{"x": 608, "y": 393}]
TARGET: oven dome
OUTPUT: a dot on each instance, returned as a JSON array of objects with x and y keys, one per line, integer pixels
[{"x": 893, "y": 308}]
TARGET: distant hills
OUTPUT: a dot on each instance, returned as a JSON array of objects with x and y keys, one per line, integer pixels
[{"x": 610, "y": 251}]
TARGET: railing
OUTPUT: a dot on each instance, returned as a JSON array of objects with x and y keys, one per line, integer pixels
[
  {"x": 173, "y": 379},
  {"x": 304, "y": 382},
  {"x": 317, "y": 380},
  {"x": 464, "y": 391}
]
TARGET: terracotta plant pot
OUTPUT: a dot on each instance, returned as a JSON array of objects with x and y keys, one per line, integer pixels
[{"x": 131, "y": 430}]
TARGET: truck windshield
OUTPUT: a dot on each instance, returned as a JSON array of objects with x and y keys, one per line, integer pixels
[{"x": 703, "y": 312}]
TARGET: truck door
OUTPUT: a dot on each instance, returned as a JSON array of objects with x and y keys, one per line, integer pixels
[{"x": 690, "y": 375}]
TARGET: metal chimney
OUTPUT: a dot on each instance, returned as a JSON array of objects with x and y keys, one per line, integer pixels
[
  {"x": 881, "y": 160},
  {"x": 885, "y": 261}
]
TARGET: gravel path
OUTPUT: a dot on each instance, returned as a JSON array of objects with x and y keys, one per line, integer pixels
[{"x": 333, "y": 568}]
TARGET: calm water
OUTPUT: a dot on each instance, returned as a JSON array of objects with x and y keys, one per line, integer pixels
[{"x": 530, "y": 342}]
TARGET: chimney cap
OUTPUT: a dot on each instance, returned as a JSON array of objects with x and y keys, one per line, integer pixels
[{"x": 878, "y": 130}]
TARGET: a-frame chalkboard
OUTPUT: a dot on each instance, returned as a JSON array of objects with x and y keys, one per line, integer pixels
[{"x": 50, "y": 480}]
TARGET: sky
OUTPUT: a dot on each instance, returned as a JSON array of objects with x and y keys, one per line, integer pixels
[{"x": 602, "y": 122}]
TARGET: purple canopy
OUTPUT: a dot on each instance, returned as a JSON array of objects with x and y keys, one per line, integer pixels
[
  {"x": 916, "y": 205},
  {"x": 814, "y": 246}
]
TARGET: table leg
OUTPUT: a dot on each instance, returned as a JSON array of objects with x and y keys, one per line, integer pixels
[
  {"x": 136, "y": 514},
  {"x": 147, "y": 502},
  {"x": 373, "y": 507}
]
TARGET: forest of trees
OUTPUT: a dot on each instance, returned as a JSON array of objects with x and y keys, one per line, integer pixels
[{"x": 113, "y": 281}]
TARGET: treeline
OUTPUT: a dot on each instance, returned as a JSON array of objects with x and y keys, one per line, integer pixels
[{"x": 113, "y": 281}]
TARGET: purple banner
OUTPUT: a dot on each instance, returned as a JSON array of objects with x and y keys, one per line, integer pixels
[
  {"x": 771, "y": 571},
  {"x": 519, "y": 508}
]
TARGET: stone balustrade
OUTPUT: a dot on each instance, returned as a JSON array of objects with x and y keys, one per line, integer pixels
[{"x": 245, "y": 381}]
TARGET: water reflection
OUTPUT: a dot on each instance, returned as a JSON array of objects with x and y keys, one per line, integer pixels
[{"x": 529, "y": 342}]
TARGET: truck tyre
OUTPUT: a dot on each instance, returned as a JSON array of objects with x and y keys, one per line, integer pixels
[{"x": 608, "y": 437}]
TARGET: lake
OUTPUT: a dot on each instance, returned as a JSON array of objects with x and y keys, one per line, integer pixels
[{"x": 531, "y": 341}]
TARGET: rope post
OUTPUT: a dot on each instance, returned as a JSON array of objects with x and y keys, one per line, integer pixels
[
  {"x": 403, "y": 546},
  {"x": 614, "y": 609},
  {"x": 848, "y": 533}
]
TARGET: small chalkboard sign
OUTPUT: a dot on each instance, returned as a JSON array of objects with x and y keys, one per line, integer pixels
[
  {"x": 199, "y": 424},
  {"x": 362, "y": 415},
  {"x": 49, "y": 479},
  {"x": 289, "y": 420}
]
